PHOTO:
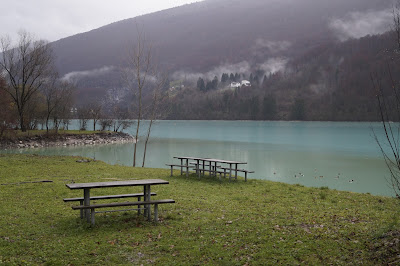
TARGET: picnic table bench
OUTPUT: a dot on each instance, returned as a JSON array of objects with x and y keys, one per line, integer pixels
[
  {"x": 122, "y": 196},
  {"x": 238, "y": 170},
  {"x": 202, "y": 165},
  {"x": 88, "y": 209}
]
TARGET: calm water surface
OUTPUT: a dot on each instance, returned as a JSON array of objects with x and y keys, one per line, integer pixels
[{"x": 340, "y": 155}]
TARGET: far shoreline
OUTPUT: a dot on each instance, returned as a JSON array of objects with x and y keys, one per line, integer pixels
[{"x": 65, "y": 140}]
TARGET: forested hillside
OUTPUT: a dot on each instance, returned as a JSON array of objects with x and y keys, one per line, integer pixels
[
  {"x": 330, "y": 82},
  {"x": 305, "y": 59}
]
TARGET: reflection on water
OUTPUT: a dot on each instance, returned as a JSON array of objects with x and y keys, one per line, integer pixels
[{"x": 342, "y": 156}]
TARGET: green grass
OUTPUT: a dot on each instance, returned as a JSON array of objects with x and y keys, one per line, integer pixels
[{"x": 212, "y": 222}]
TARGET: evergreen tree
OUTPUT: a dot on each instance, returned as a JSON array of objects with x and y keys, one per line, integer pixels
[
  {"x": 251, "y": 77},
  {"x": 264, "y": 83},
  {"x": 255, "y": 80},
  {"x": 269, "y": 107},
  {"x": 224, "y": 77},
  {"x": 200, "y": 84},
  {"x": 214, "y": 83},
  {"x": 254, "y": 107},
  {"x": 232, "y": 77},
  {"x": 209, "y": 86},
  {"x": 298, "y": 110}
]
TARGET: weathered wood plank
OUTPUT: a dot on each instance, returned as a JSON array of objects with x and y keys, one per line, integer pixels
[
  {"x": 141, "y": 182},
  {"x": 122, "y": 204},
  {"x": 135, "y": 195}
]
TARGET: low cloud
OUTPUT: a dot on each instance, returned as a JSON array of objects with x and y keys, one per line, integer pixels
[
  {"x": 272, "y": 47},
  {"x": 270, "y": 66},
  {"x": 360, "y": 24},
  {"x": 75, "y": 76},
  {"x": 273, "y": 65},
  {"x": 242, "y": 67}
]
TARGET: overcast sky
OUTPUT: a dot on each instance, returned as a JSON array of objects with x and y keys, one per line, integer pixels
[{"x": 55, "y": 19}]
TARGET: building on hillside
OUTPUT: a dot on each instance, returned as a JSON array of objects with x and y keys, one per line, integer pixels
[
  {"x": 246, "y": 83},
  {"x": 235, "y": 85}
]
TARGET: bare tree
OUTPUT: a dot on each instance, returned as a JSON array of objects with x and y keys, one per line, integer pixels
[
  {"x": 388, "y": 96},
  {"x": 27, "y": 66},
  {"x": 7, "y": 114},
  {"x": 58, "y": 97},
  {"x": 95, "y": 112},
  {"x": 389, "y": 108},
  {"x": 116, "y": 112},
  {"x": 140, "y": 69},
  {"x": 157, "y": 97},
  {"x": 64, "y": 100},
  {"x": 396, "y": 23},
  {"x": 83, "y": 116}
]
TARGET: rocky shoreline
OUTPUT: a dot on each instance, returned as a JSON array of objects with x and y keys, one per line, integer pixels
[{"x": 66, "y": 140}]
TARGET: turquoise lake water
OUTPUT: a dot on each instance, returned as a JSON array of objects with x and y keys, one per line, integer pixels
[{"x": 340, "y": 155}]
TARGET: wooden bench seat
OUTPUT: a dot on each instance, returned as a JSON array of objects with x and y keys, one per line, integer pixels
[
  {"x": 210, "y": 171},
  {"x": 239, "y": 170},
  {"x": 80, "y": 199},
  {"x": 124, "y": 204},
  {"x": 178, "y": 165},
  {"x": 136, "y": 195}
]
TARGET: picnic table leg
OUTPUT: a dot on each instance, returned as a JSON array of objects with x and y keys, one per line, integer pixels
[
  {"x": 155, "y": 212},
  {"x": 214, "y": 168},
  {"x": 187, "y": 167},
  {"x": 144, "y": 199},
  {"x": 171, "y": 169},
  {"x": 138, "y": 211},
  {"x": 198, "y": 168},
  {"x": 230, "y": 171},
  {"x": 92, "y": 212},
  {"x": 181, "y": 167},
  {"x": 81, "y": 211},
  {"x": 204, "y": 165},
  {"x": 147, "y": 194},
  {"x": 86, "y": 202},
  {"x": 236, "y": 166}
]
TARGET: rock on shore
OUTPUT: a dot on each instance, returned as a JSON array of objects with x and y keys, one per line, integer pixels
[{"x": 64, "y": 140}]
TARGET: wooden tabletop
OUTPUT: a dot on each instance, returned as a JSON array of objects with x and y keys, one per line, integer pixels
[
  {"x": 223, "y": 161},
  {"x": 209, "y": 160},
  {"x": 117, "y": 183},
  {"x": 190, "y": 158}
]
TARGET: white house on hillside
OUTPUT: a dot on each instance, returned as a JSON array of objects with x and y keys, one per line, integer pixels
[
  {"x": 236, "y": 85},
  {"x": 245, "y": 83}
]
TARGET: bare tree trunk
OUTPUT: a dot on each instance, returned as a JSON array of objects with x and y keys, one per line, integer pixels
[
  {"x": 141, "y": 63},
  {"x": 154, "y": 108},
  {"x": 390, "y": 147},
  {"x": 389, "y": 110},
  {"x": 147, "y": 140}
]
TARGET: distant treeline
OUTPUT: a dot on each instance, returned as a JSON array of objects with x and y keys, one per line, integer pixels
[{"x": 331, "y": 82}]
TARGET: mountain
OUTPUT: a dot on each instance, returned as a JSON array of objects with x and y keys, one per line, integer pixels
[
  {"x": 306, "y": 59},
  {"x": 206, "y": 34}
]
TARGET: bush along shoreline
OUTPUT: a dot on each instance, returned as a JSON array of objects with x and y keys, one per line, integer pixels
[{"x": 64, "y": 140}]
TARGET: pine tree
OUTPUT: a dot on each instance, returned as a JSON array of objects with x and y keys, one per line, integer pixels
[
  {"x": 214, "y": 83},
  {"x": 200, "y": 84}
]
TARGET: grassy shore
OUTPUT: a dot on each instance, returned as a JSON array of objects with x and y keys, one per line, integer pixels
[
  {"x": 212, "y": 222},
  {"x": 12, "y": 134}
]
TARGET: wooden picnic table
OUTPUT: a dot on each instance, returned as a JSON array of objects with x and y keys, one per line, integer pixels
[
  {"x": 146, "y": 183},
  {"x": 213, "y": 165}
]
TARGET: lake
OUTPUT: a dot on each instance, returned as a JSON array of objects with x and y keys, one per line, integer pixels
[{"x": 339, "y": 155}]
